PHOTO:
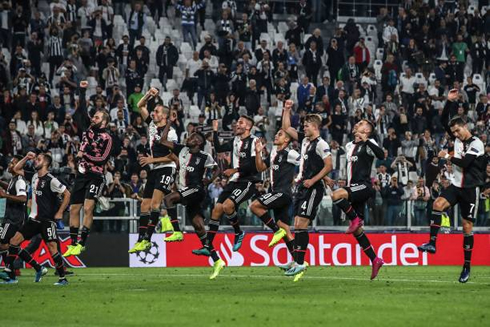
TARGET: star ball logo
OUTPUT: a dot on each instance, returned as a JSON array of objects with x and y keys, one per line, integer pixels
[{"x": 149, "y": 256}]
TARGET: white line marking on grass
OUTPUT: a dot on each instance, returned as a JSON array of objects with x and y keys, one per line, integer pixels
[{"x": 366, "y": 279}]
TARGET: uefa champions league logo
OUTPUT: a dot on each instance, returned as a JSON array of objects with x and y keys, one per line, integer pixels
[
  {"x": 149, "y": 256},
  {"x": 226, "y": 253}
]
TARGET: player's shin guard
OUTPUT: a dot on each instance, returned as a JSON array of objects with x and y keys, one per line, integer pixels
[
  {"x": 152, "y": 224},
  {"x": 58, "y": 263},
  {"x": 74, "y": 235},
  {"x": 435, "y": 225},
  {"x": 233, "y": 219},
  {"x": 269, "y": 222},
  {"x": 144, "y": 219},
  {"x": 366, "y": 246},
  {"x": 468, "y": 241},
  {"x": 213, "y": 227},
  {"x": 301, "y": 240},
  {"x": 84, "y": 235},
  {"x": 347, "y": 208},
  {"x": 172, "y": 212}
]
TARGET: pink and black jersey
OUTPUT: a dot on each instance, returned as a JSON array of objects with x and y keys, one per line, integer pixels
[{"x": 96, "y": 147}]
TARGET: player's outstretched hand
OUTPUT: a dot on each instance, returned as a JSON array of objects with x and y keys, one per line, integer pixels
[
  {"x": 453, "y": 95},
  {"x": 288, "y": 105}
]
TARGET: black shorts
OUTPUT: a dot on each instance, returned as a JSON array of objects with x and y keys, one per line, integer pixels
[
  {"x": 87, "y": 187},
  {"x": 279, "y": 203},
  {"x": 238, "y": 192},
  {"x": 7, "y": 231},
  {"x": 47, "y": 229},
  {"x": 160, "y": 179},
  {"x": 467, "y": 198},
  {"x": 192, "y": 198},
  {"x": 307, "y": 200},
  {"x": 359, "y": 194}
]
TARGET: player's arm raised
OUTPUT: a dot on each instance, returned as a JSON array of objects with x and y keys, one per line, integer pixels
[
  {"x": 152, "y": 92},
  {"x": 286, "y": 119},
  {"x": 452, "y": 96},
  {"x": 225, "y": 147},
  {"x": 19, "y": 167},
  {"x": 259, "y": 162}
]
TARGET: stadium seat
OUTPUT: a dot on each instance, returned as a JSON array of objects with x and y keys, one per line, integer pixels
[
  {"x": 420, "y": 79},
  {"x": 478, "y": 80},
  {"x": 372, "y": 31},
  {"x": 194, "y": 113},
  {"x": 471, "y": 9},
  {"x": 380, "y": 53},
  {"x": 432, "y": 78},
  {"x": 155, "y": 82},
  {"x": 483, "y": 11},
  {"x": 372, "y": 49},
  {"x": 282, "y": 27},
  {"x": 378, "y": 64},
  {"x": 306, "y": 37}
]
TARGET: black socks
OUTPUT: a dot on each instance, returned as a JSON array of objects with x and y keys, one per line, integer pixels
[{"x": 435, "y": 225}]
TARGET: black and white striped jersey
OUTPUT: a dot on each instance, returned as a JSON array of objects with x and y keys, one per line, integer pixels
[
  {"x": 15, "y": 211},
  {"x": 282, "y": 168},
  {"x": 360, "y": 158},
  {"x": 45, "y": 192},
  {"x": 469, "y": 163},
  {"x": 242, "y": 157},
  {"x": 313, "y": 152},
  {"x": 157, "y": 149},
  {"x": 192, "y": 166}
]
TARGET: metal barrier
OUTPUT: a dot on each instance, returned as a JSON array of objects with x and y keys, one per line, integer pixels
[
  {"x": 325, "y": 221},
  {"x": 363, "y": 11}
]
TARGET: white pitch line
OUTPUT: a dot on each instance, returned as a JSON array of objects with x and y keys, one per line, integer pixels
[{"x": 283, "y": 277}]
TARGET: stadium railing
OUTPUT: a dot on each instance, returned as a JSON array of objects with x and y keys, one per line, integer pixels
[{"x": 328, "y": 217}]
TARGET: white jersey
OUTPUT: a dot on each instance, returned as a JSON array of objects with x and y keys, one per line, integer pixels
[
  {"x": 473, "y": 175},
  {"x": 157, "y": 149}
]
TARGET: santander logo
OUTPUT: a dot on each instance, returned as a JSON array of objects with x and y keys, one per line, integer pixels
[{"x": 233, "y": 259}]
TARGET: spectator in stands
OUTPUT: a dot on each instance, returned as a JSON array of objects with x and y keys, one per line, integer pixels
[
  {"x": 420, "y": 196},
  {"x": 312, "y": 62},
  {"x": 167, "y": 56},
  {"x": 205, "y": 82},
  {"x": 136, "y": 22},
  {"x": 393, "y": 194},
  {"x": 362, "y": 55}
]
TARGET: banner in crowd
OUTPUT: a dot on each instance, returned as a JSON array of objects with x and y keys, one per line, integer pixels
[{"x": 324, "y": 249}]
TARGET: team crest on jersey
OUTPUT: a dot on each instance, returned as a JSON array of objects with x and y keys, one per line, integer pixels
[
  {"x": 198, "y": 160},
  {"x": 43, "y": 182},
  {"x": 279, "y": 159},
  {"x": 245, "y": 146}
]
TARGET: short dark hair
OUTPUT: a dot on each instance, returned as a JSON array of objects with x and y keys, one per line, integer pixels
[
  {"x": 458, "y": 120},
  {"x": 48, "y": 158},
  {"x": 373, "y": 128},
  {"x": 248, "y": 118},
  {"x": 18, "y": 157}
]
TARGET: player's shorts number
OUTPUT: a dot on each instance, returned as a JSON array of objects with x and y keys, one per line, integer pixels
[
  {"x": 472, "y": 207},
  {"x": 51, "y": 232},
  {"x": 303, "y": 206},
  {"x": 166, "y": 180},
  {"x": 237, "y": 192},
  {"x": 94, "y": 189}
]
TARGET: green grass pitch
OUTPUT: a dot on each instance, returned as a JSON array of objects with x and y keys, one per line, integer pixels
[{"x": 327, "y": 296}]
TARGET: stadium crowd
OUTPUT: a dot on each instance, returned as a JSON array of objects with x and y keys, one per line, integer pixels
[{"x": 395, "y": 73}]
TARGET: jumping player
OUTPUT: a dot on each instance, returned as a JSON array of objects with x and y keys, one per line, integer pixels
[
  {"x": 315, "y": 163},
  {"x": 95, "y": 151},
  {"x": 282, "y": 163},
  {"x": 193, "y": 166},
  {"x": 16, "y": 197},
  {"x": 242, "y": 175},
  {"x": 45, "y": 214},
  {"x": 469, "y": 164},
  {"x": 161, "y": 176},
  {"x": 352, "y": 198}
]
